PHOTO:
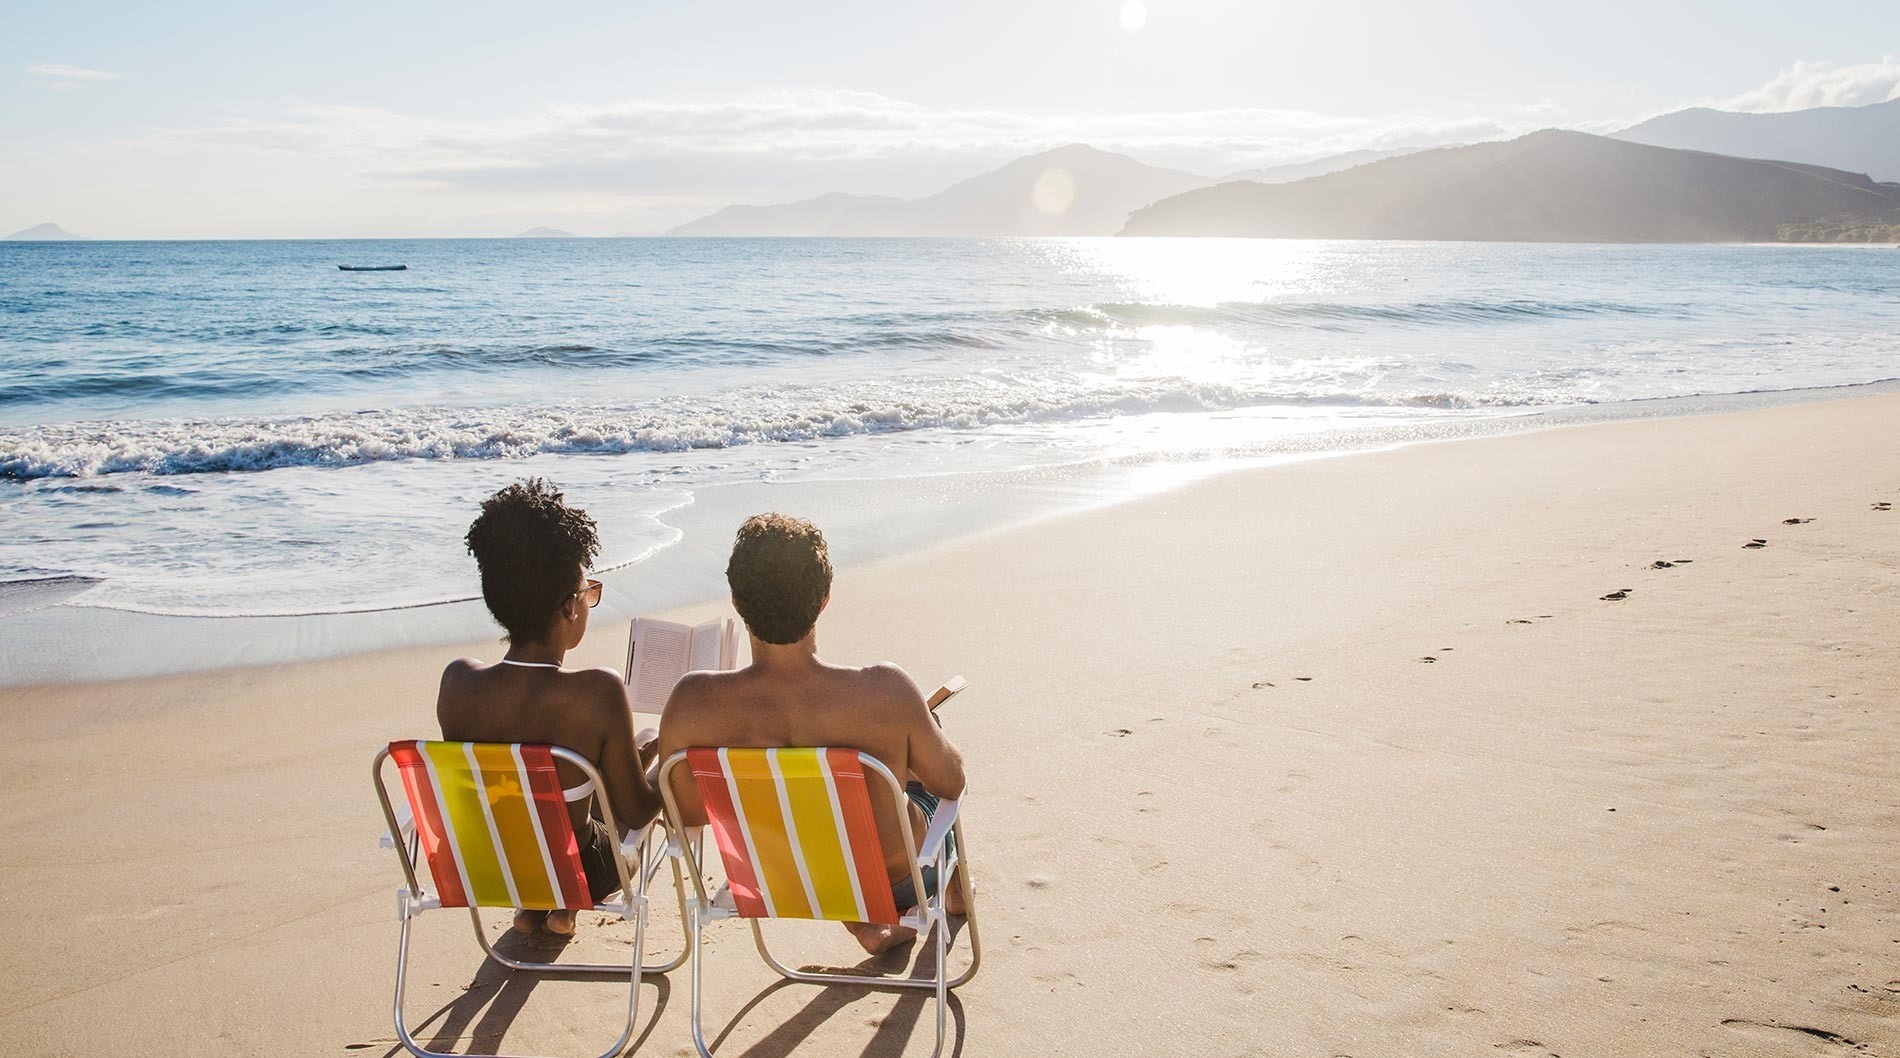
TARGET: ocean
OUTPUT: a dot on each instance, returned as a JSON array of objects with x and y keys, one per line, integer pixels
[{"x": 240, "y": 429}]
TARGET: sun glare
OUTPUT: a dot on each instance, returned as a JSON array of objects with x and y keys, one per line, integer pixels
[
  {"x": 1134, "y": 15},
  {"x": 1054, "y": 192}
]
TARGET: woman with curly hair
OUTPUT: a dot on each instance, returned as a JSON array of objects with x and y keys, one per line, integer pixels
[{"x": 534, "y": 551}]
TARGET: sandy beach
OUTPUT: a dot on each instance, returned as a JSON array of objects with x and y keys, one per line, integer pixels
[{"x": 1343, "y": 757}]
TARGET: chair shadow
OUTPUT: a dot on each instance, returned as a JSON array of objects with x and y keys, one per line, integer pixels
[
  {"x": 483, "y": 1013},
  {"x": 894, "y": 1030}
]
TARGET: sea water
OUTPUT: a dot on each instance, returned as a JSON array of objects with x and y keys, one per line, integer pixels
[{"x": 239, "y": 428}]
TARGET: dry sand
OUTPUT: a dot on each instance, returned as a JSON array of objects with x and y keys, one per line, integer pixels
[{"x": 1340, "y": 758}]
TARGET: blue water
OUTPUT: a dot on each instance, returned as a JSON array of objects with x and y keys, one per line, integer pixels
[{"x": 239, "y": 427}]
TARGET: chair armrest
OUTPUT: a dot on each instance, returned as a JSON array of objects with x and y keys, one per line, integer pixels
[
  {"x": 940, "y": 824},
  {"x": 404, "y": 823},
  {"x": 631, "y": 841},
  {"x": 695, "y": 835}
]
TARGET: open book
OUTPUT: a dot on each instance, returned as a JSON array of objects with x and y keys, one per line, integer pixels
[{"x": 660, "y": 652}]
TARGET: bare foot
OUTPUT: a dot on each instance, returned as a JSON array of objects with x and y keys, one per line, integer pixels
[
  {"x": 529, "y": 921},
  {"x": 560, "y": 923},
  {"x": 878, "y": 939}
]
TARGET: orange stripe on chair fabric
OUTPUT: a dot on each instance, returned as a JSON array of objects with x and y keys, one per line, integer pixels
[
  {"x": 860, "y": 823},
  {"x": 734, "y": 853},
  {"x": 430, "y": 833},
  {"x": 557, "y": 827},
  {"x": 751, "y": 773}
]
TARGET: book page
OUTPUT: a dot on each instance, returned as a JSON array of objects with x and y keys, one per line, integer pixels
[
  {"x": 659, "y": 660},
  {"x": 951, "y": 687},
  {"x": 705, "y": 653}
]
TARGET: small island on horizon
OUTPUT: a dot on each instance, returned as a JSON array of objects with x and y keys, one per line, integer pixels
[{"x": 47, "y": 232}]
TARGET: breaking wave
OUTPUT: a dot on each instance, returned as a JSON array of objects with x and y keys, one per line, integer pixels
[{"x": 214, "y": 445}]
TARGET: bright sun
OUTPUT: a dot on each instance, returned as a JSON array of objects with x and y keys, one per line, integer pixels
[{"x": 1134, "y": 15}]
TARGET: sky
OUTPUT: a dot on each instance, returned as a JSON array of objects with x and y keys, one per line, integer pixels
[{"x": 247, "y": 120}]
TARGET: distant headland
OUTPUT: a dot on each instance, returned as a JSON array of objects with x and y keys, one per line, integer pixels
[{"x": 48, "y": 232}]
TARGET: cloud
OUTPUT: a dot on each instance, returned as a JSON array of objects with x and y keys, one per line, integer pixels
[
  {"x": 710, "y": 147},
  {"x": 1822, "y": 84},
  {"x": 62, "y": 76},
  {"x": 268, "y": 167}
]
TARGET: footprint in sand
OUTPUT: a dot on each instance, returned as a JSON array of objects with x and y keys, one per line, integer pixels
[
  {"x": 1534, "y": 1048},
  {"x": 1825, "y": 1035},
  {"x": 1755, "y": 545},
  {"x": 1618, "y": 595}
]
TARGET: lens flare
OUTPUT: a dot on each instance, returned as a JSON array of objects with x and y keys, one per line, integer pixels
[{"x": 1054, "y": 192}]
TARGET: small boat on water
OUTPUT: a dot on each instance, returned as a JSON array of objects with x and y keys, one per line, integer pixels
[{"x": 373, "y": 268}]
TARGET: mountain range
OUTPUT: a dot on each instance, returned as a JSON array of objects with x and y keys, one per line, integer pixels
[
  {"x": 1520, "y": 189},
  {"x": 1073, "y": 190},
  {"x": 1549, "y": 186},
  {"x": 1864, "y": 139}
]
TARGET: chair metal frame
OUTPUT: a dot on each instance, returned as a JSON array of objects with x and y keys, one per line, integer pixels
[
  {"x": 414, "y": 899},
  {"x": 702, "y": 909}
]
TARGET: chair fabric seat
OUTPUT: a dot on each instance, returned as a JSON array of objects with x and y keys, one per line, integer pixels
[
  {"x": 493, "y": 824},
  {"x": 796, "y": 833}
]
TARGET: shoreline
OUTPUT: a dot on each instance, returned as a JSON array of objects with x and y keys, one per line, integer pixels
[
  {"x": 1355, "y": 751},
  {"x": 672, "y": 577}
]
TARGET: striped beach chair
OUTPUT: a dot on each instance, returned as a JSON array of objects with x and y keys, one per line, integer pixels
[
  {"x": 798, "y": 840},
  {"x": 490, "y": 821}
]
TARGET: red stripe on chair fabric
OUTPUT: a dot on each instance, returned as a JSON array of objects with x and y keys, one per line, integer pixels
[
  {"x": 867, "y": 850},
  {"x": 734, "y": 852},
  {"x": 557, "y": 827},
  {"x": 431, "y": 834}
]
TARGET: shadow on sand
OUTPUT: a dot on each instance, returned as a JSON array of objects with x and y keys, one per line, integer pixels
[
  {"x": 476, "y": 1021},
  {"x": 894, "y": 1031}
]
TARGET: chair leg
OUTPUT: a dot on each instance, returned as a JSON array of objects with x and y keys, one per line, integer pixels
[
  {"x": 942, "y": 930},
  {"x": 679, "y": 891},
  {"x": 695, "y": 956},
  {"x": 620, "y": 1045},
  {"x": 969, "y": 909},
  {"x": 402, "y": 974}
]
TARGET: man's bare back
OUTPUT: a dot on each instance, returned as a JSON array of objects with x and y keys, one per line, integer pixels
[
  {"x": 780, "y": 576},
  {"x": 796, "y": 701}
]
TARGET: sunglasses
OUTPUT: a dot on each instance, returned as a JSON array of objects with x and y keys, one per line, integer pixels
[{"x": 590, "y": 594}]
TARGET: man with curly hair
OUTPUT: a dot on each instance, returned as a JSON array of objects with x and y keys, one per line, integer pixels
[{"x": 780, "y": 575}]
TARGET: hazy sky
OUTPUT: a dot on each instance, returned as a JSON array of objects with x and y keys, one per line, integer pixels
[{"x": 245, "y": 119}]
